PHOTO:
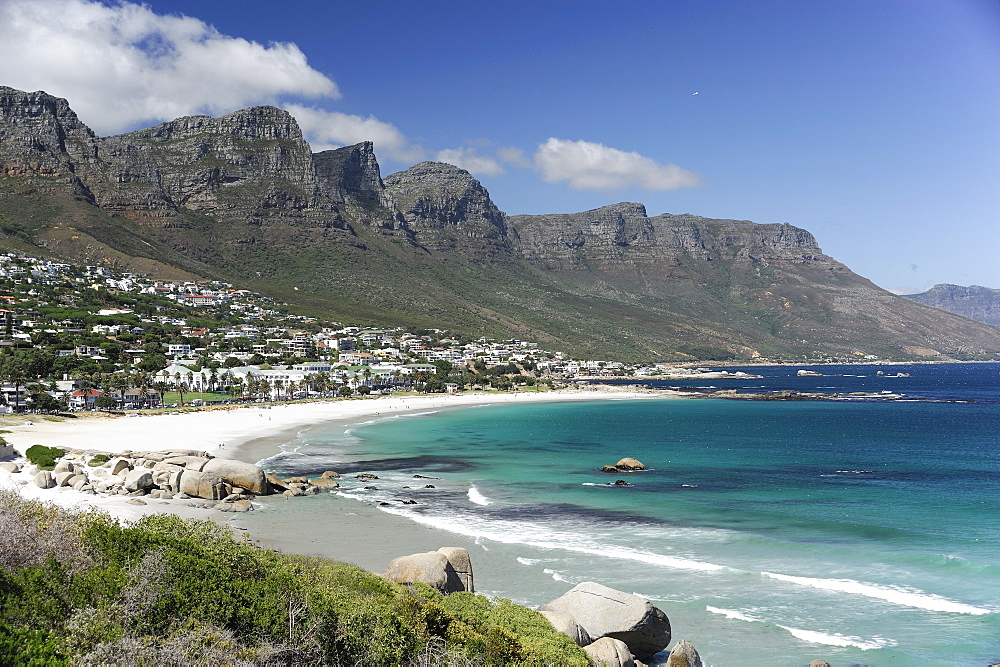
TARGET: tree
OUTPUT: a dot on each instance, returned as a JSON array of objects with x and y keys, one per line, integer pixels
[
  {"x": 44, "y": 402},
  {"x": 105, "y": 402},
  {"x": 180, "y": 388}
]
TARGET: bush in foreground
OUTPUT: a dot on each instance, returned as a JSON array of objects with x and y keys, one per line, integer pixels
[{"x": 167, "y": 591}]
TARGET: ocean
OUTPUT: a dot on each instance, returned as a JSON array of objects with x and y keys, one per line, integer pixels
[{"x": 863, "y": 532}]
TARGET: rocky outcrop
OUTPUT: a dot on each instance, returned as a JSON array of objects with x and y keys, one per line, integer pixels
[
  {"x": 610, "y": 652},
  {"x": 605, "y": 612},
  {"x": 449, "y": 570},
  {"x": 182, "y": 474},
  {"x": 41, "y": 136},
  {"x": 684, "y": 654},
  {"x": 252, "y": 166},
  {"x": 622, "y": 233},
  {"x": 449, "y": 210},
  {"x": 351, "y": 175},
  {"x": 627, "y": 464}
]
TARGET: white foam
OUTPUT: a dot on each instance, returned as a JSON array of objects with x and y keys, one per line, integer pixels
[
  {"x": 831, "y": 639},
  {"x": 892, "y": 594},
  {"x": 556, "y": 575},
  {"x": 534, "y": 561},
  {"x": 811, "y": 636},
  {"x": 520, "y": 532},
  {"x": 478, "y": 498},
  {"x": 733, "y": 614}
]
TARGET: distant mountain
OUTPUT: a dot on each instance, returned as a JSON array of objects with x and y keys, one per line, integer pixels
[
  {"x": 243, "y": 198},
  {"x": 974, "y": 302}
]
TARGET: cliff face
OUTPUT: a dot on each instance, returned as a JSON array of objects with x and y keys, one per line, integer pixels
[
  {"x": 622, "y": 233},
  {"x": 449, "y": 210},
  {"x": 242, "y": 197},
  {"x": 974, "y": 302},
  {"x": 41, "y": 136}
]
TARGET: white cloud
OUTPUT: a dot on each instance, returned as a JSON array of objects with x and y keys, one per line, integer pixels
[
  {"x": 123, "y": 64},
  {"x": 585, "y": 165},
  {"x": 513, "y": 156},
  {"x": 468, "y": 159},
  {"x": 332, "y": 129}
]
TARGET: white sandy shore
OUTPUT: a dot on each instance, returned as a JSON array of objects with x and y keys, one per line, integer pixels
[{"x": 207, "y": 430}]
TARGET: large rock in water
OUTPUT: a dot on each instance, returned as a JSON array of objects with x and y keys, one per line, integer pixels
[
  {"x": 628, "y": 463},
  {"x": 605, "y": 612},
  {"x": 238, "y": 473},
  {"x": 684, "y": 654},
  {"x": 434, "y": 568}
]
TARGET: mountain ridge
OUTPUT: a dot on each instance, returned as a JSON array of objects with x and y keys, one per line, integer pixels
[
  {"x": 243, "y": 197},
  {"x": 974, "y": 301}
]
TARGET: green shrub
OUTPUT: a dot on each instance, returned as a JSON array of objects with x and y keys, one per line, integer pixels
[
  {"x": 171, "y": 591},
  {"x": 526, "y": 635},
  {"x": 98, "y": 460},
  {"x": 44, "y": 457}
]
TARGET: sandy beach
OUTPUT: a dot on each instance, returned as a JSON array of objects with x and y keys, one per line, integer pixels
[{"x": 244, "y": 433}]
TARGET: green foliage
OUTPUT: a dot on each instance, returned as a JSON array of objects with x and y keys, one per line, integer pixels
[
  {"x": 504, "y": 629},
  {"x": 98, "y": 460},
  {"x": 171, "y": 591},
  {"x": 44, "y": 457},
  {"x": 105, "y": 402}
]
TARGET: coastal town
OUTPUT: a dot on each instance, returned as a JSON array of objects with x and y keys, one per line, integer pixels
[{"x": 84, "y": 338}]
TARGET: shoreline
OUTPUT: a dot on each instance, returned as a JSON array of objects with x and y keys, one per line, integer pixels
[{"x": 249, "y": 434}]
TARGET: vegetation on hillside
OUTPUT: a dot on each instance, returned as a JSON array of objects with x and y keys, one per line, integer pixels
[{"x": 79, "y": 588}]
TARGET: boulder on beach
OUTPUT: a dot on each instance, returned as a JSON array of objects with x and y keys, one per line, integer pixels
[
  {"x": 611, "y": 652},
  {"x": 238, "y": 473},
  {"x": 43, "y": 479},
  {"x": 567, "y": 625},
  {"x": 139, "y": 479},
  {"x": 202, "y": 485},
  {"x": 605, "y": 612},
  {"x": 434, "y": 568},
  {"x": 684, "y": 654},
  {"x": 10, "y": 466},
  {"x": 118, "y": 464}
]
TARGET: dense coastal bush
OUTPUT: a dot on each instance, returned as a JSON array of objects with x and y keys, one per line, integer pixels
[
  {"x": 77, "y": 587},
  {"x": 44, "y": 457}
]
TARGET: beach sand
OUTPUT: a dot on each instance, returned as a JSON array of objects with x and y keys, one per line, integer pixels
[{"x": 368, "y": 537}]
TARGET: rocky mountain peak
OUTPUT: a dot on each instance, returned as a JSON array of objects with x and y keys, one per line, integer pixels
[
  {"x": 443, "y": 204},
  {"x": 41, "y": 135},
  {"x": 351, "y": 172}
]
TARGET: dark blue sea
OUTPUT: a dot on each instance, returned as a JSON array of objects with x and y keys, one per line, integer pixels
[{"x": 770, "y": 532}]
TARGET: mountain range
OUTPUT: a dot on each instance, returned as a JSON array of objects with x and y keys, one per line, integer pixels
[
  {"x": 243, "y": 198},
  {"x": 974, "y": 302}
]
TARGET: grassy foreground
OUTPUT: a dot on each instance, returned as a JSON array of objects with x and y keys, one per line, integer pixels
[{"x": 80, "y": 588}]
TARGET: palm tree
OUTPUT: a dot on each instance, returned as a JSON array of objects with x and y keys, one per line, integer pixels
[{"x": 180, "y": 388}]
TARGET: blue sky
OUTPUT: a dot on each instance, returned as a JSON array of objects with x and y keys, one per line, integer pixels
[{"x": 873, "y": 124}]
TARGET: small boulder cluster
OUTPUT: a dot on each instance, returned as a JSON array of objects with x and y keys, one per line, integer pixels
[
  {"x": 627, "y": 464},
  {"x": 176, "y": 475},
  {"x": 613, "y": 627},
  {"x": 291, "y": 487}
]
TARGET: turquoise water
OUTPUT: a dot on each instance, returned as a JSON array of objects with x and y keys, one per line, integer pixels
[{"x": 771, "y": 533}]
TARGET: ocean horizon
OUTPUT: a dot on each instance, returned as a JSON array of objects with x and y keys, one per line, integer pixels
[{"x": 862, "y": 532}]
